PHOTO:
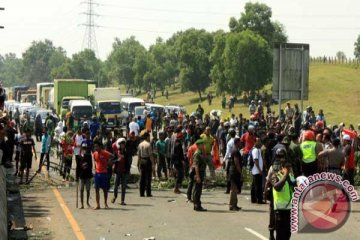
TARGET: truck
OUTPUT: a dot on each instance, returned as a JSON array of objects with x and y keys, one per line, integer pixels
[
  {"x": 70, "y": 89},
  {"x": 28, "y": 96},
  {"x": 42, "y": 93},
  {"x": 17, "y": 91},
  {"x": 107, "y": 104}
]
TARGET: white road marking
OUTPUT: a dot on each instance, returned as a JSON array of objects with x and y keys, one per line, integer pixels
[{"x": 256, "y": 234}]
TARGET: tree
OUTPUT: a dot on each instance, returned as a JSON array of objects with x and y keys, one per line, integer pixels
[
  {"x": 85, "y": 65},
  {"x": 257, "y": 18},
  {"x": 11, "y": 70},
  {"x": 38, "y": 61},
  {"x": 216, "y": 58},
  {"x": 247, "y": 61},
  {"x": 121, "y": 60},
  {"x": 193, "y": 50},
  {"x": 162, "y": 68},
  {"x": 340, "y": 55},
  {"x": 357, "y": 48}
]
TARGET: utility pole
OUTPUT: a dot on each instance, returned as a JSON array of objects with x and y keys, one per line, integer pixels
[
  {"x": 89, "y": 41},
  {"x": 2, "y": 9}
]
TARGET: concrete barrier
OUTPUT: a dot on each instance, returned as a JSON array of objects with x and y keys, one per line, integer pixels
[{"x": 3, "y": 205}]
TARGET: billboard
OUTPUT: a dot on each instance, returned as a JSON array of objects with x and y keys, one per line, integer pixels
[{"x": 290, "y": 71}]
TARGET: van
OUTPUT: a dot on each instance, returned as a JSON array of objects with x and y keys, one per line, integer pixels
[
  {"x": 128, "y": 105},
  {"x": 81, "y": 109},
  {"x": 152, "y": 107}
]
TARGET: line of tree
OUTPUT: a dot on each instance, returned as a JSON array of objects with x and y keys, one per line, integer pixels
[{"x": 235, "y": 61}]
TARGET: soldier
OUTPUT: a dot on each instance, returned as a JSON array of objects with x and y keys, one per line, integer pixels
[{"x": 199, "y": 166}]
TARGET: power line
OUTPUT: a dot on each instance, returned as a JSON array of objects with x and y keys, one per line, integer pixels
[
  {"x": 89, "y": 41},
  {"x": 163, "y": 20},
  {"x": 2, "y": 9},
  {"x": 166, "y": 10}
]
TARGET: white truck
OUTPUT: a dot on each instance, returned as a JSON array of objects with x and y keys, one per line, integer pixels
[{"x": 107, "y": 103}]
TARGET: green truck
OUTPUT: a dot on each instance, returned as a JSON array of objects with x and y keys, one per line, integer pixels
[{"x": 70, "y": 89}]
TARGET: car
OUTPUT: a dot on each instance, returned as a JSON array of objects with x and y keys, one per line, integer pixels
[
  {"x": 43, "y": 114},
  {"x": 152, "y": 107}
]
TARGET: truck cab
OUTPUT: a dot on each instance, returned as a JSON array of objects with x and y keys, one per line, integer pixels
[
  {"x": 81, "y": 109},
  {"x": 65, "y": 104}
]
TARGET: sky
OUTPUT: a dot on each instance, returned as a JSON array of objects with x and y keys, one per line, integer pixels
[{"x": 328, "y": 26}]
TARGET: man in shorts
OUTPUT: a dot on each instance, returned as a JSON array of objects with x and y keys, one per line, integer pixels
[
  {"x": 27, "y": 148},
  {"x": 102, "y": 159}
]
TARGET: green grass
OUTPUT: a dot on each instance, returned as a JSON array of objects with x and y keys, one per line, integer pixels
[{"x": 334, "y": 88}]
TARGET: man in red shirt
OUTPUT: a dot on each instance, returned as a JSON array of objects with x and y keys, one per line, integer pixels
[
  {"x": 102, "y": 159},
  {"x": 248, "y": 141},
  {"x": 349, "y": 166}
]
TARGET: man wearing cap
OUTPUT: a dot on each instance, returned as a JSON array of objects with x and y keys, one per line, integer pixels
[
  {"x": 145, "y": 165},
  {"x": 349, "y": 166},
  {"x": 199, "y": 164},
  {"x": 310, "y": 150},
  {"x": 208, "y": 143}
]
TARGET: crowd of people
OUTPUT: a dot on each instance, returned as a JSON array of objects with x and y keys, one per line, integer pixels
[{"x": 274, "y": 150}]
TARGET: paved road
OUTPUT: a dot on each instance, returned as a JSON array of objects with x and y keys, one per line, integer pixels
[{"x": 52, "y": 210}]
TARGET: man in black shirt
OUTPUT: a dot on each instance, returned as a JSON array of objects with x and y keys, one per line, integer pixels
[
  {"x": 235, "y": 175},
  {"x": 27, "y": 148}
]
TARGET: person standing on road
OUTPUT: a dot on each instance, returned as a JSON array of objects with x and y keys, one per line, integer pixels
[
  {"x": 45, "y": 149},
  {"x": 199, "y": 164},
  {"x": 283, "y": 183},
  {"x": 85, "y": 174},
  {"x": 248, "y": 141},
  {"x": 257, "y": 173},
  {"x": 68, "y": 152},
  {"x": 190, "y": 155},
  {"x": 235, "y": 170},
  {"x": 178, "y": 162},
  {"x": 349, "y": 166},
  {"x": 268, "y": 194},
  {"x": 134, "y": 127},
  {"x": 11, "y": 132},
  {"x": 161, "y": 155},
  {"x": 208, "y": 143},
  {"x": 230, "y": 146},
  {"x": 121, "y": 169},
  {"x": 102, "y": 159},
  {"x": 27, "y": 149},
  {"x": 310, "y": 150},
  {"x": 145, "y": 165},
  {"x": 78, "y": 139}
]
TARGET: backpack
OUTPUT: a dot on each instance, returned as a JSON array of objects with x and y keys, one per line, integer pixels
[{"x": 251, "y": 162}]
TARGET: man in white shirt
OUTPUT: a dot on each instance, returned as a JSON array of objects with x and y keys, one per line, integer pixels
[
  {"x": 257, "y": 172},
  {"x": 230, "y": 146},
  {"x": 134, "y": 127},
  {"x": 78, "y": 140}
]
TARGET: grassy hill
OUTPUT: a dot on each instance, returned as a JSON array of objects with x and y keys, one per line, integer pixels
[{"x": 334, "y": 88}]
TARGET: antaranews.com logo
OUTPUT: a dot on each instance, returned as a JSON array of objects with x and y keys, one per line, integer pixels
[{"x": 321, "y": 203}]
